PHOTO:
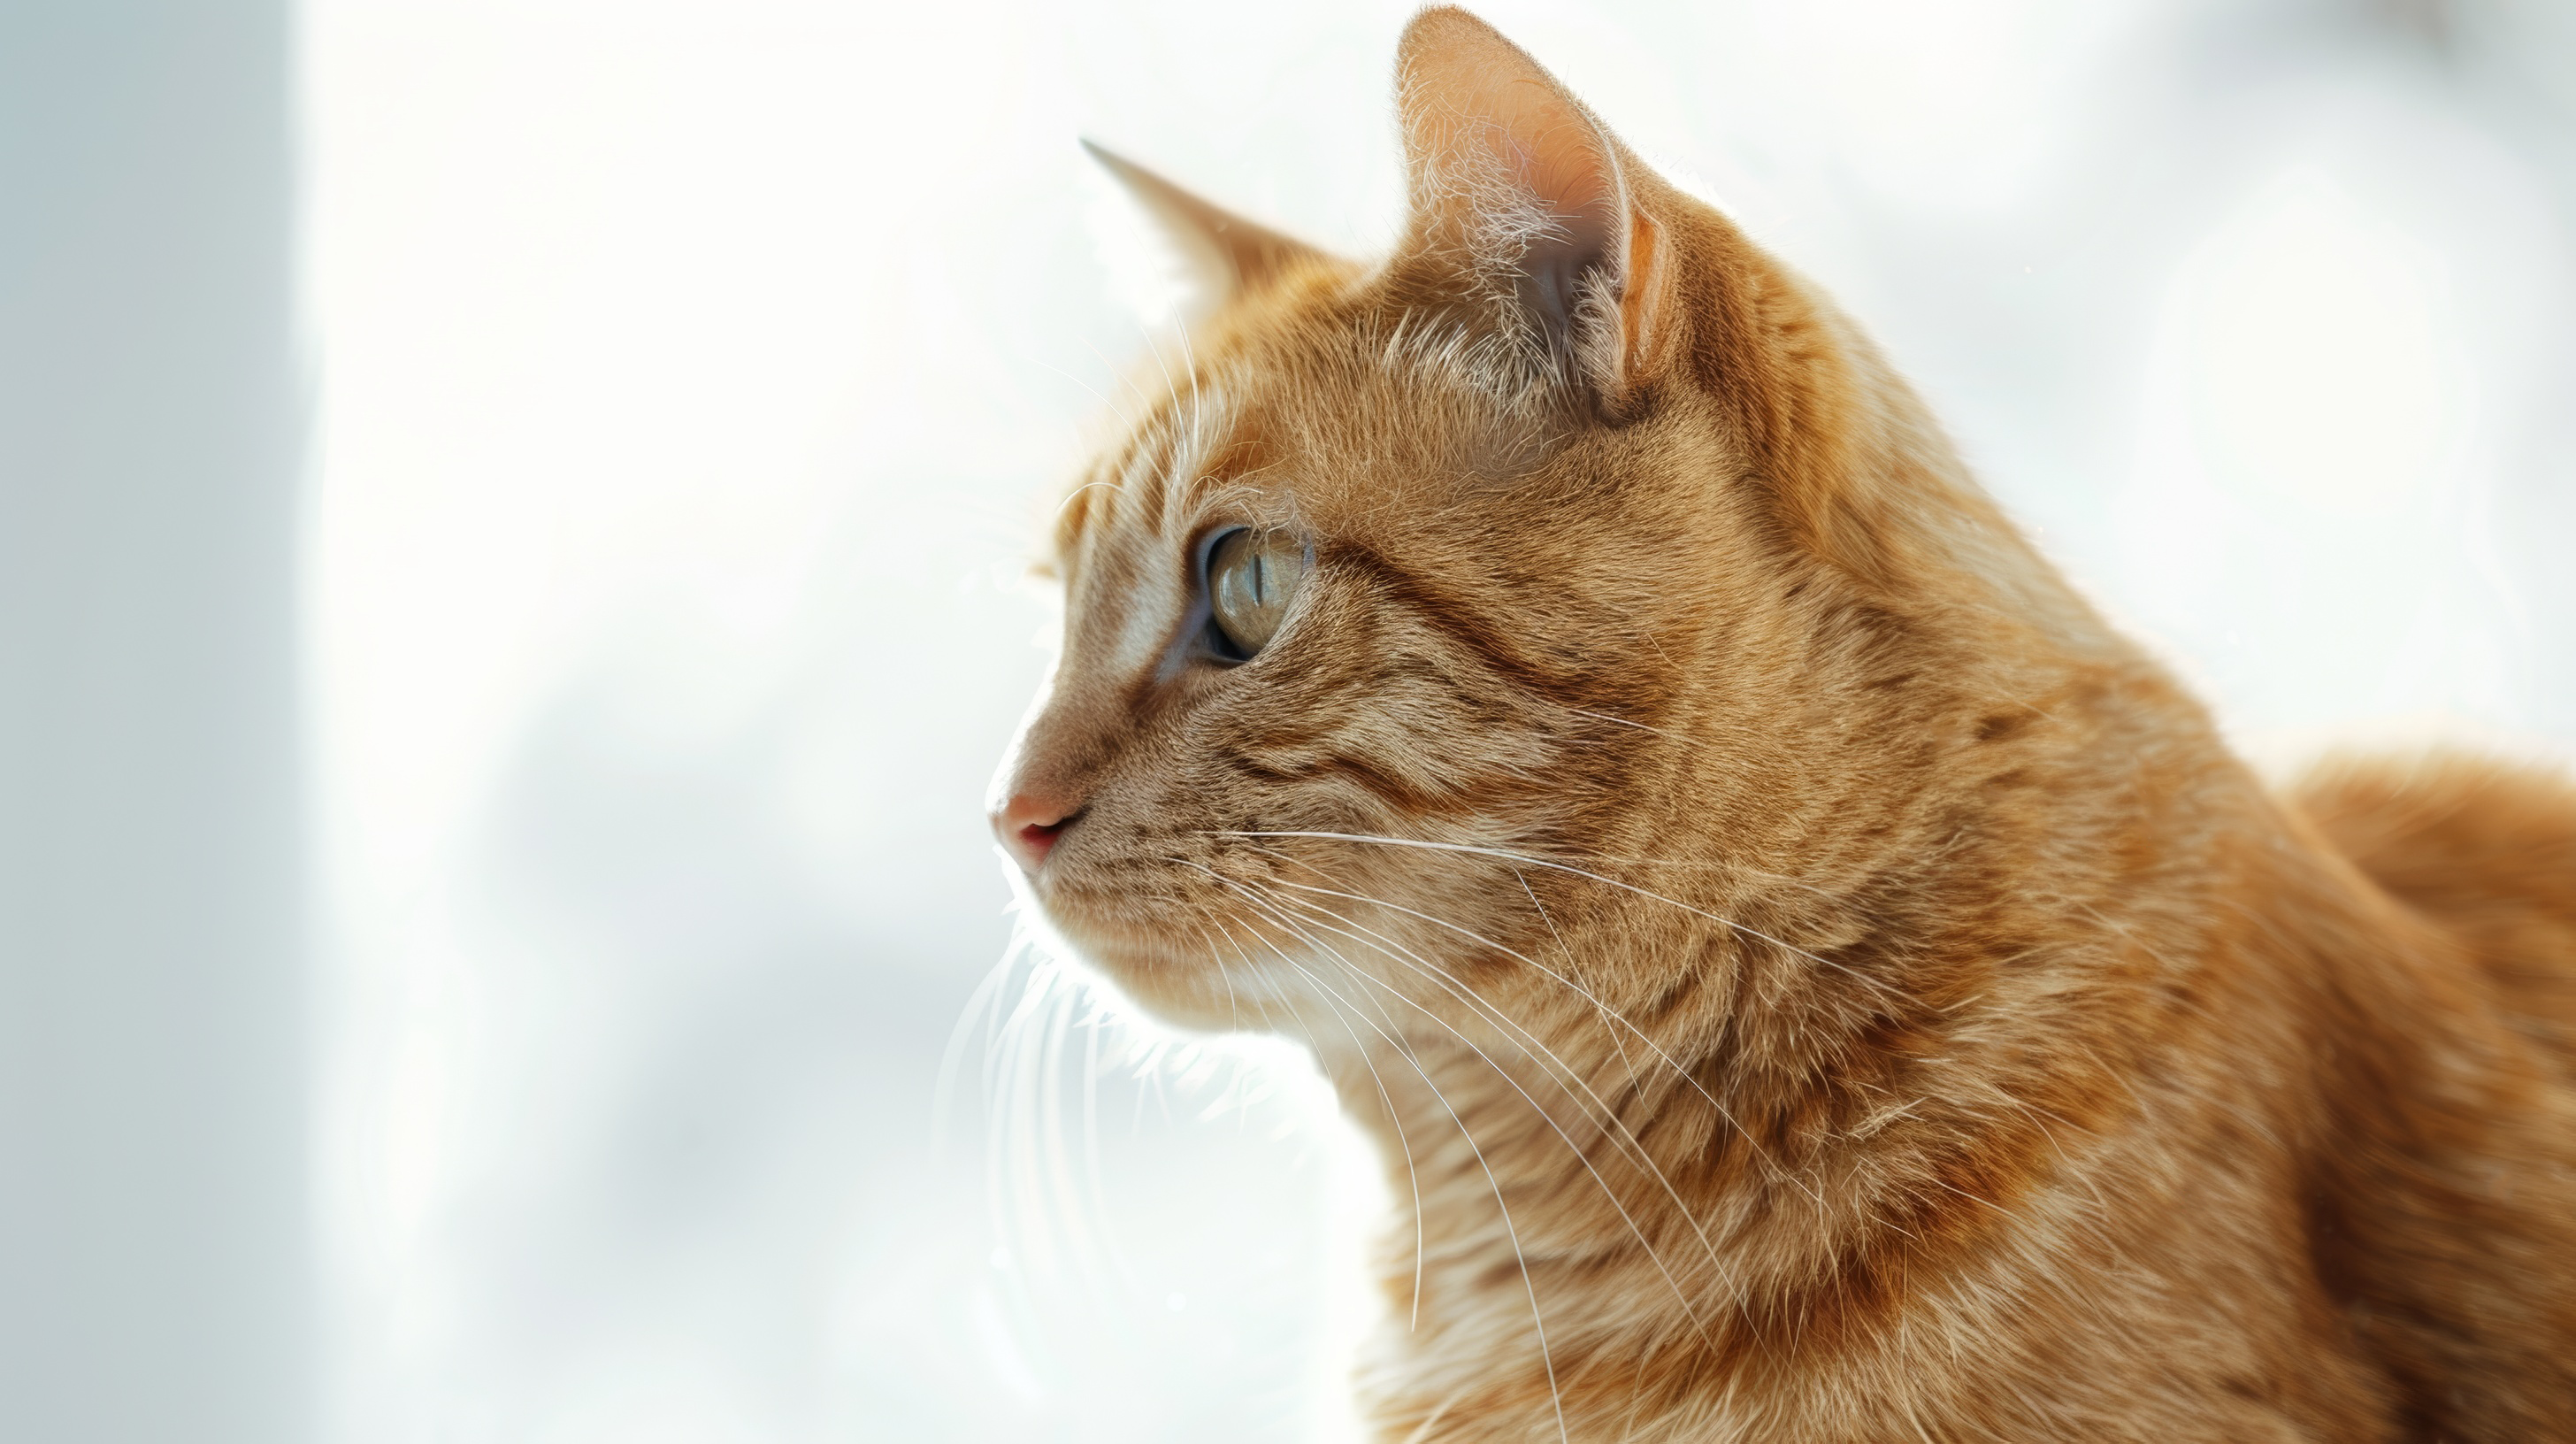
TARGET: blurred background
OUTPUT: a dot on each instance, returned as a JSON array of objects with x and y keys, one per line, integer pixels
[{"x": 513, "y": 537}]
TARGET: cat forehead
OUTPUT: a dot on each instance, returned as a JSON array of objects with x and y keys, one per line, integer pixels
[
  {"x": 1195, "y": 444},
  {"x": 1336, "y": 431}
]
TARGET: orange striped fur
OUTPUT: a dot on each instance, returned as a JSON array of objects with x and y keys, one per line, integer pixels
[{"x": 1811, "y": 978}]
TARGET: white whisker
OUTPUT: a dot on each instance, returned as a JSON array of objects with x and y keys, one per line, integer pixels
[
  {"x": 1587, "y": 995},
  {"x": 1495, "y": 852},
  {"x": 1541, "y": 1054},
  {"x": 1511, "y": 1231}
]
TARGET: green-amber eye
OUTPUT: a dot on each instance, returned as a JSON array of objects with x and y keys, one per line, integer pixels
[{"x": 1252, "y": 577}]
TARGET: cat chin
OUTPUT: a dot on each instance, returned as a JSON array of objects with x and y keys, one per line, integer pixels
[
  {"x": 1193, "y": 997},
  {"x": 1163, "y": 979}
]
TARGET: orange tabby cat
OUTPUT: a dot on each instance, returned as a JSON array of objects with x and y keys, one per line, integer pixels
[{"x": 1811, "y": 978}]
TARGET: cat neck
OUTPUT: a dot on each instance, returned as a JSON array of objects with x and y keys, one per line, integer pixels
[{"x": 1848, "y": 1063}]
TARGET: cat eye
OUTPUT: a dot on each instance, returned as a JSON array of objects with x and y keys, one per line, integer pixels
[{"x": 1251, "y": 578}]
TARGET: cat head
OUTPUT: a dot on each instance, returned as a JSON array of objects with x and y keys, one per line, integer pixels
[{"x": 1575, "y": 531}]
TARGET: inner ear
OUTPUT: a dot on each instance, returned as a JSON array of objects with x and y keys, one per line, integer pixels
[
  {"x": 1569, "y": 181},
  {"x": 1579, "y": 253},
  {"x": 1511, "y": 174}
]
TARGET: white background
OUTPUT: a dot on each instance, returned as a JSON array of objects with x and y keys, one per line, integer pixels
[{"x": 692, "y": 377}]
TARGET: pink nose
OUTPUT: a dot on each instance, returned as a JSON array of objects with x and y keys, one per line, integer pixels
[{"x": 1029, "y": 825}]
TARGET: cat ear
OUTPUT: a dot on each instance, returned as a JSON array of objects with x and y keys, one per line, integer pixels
[
  {"x": 1510, "y": 176},
  {"x": 1226, "y": 255}
]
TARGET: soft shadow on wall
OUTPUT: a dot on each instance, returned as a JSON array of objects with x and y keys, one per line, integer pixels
[{"x": 155, "y": 1276}]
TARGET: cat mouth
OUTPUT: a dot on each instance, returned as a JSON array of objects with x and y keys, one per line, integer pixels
[{"x": 1032, "y": 843}]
